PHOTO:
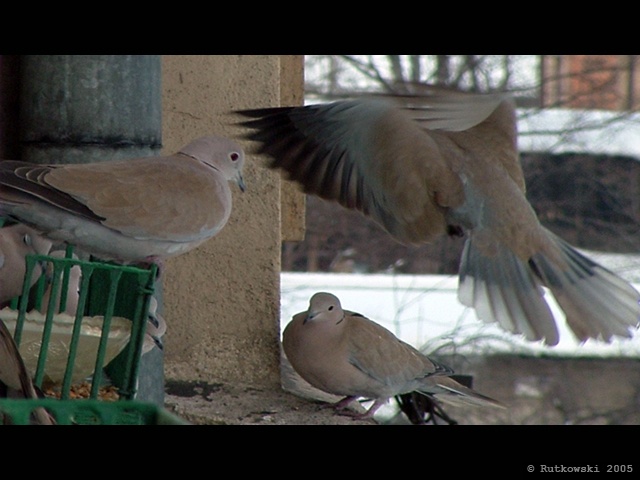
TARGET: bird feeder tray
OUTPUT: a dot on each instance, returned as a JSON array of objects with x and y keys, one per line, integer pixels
[
  {"x": 88, "y": 412},
  {"x": 104, "y": 335}
]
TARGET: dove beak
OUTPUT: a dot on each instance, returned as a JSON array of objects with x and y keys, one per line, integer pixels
[
  {"x": 241, "y": 184},
  {"x": 309, "y": 316}
]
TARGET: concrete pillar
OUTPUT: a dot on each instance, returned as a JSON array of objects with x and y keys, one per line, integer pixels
[
  {"x": 222, "y": 299},
  {"x": 80, "y": 108},
  {"x": 9, "y": 106},
  {"x": 88, "y": 108}
]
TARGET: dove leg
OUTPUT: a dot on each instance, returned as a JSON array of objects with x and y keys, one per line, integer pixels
[
  {"x": 157, "y": 261},
  {"x": 341, "y": 405}
]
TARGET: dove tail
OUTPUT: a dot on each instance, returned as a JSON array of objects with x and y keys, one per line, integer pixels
[
  {"x": 596, "y": 302},
  {"x": 455, "y": 394},
  {"x": 503, "y": 288}
]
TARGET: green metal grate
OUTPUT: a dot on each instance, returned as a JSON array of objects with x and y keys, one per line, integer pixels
[
  {"x": 106, "y": 290},
  {"x": 88, "y": 412}
]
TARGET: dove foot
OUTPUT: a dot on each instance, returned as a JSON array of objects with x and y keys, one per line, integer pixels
[
  {"x": 341, "y": 408},
  {"x": 157, "y": 261}
]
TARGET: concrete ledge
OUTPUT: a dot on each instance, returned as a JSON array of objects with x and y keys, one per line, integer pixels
[{"x": 201, "y": 403}]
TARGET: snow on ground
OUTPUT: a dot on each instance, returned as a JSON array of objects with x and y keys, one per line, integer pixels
[{"x": 423, "y": 310}]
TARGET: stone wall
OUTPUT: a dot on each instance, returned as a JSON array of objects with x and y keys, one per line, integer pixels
[{"x": 221, "y": 301}]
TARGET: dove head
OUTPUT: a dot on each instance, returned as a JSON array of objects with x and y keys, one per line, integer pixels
[
  {"x": 324, "y": 306},
  {"x": 32, "y": 240},
  {"x": 220, "y": 153},
  {"x": 17, "y": 241}
]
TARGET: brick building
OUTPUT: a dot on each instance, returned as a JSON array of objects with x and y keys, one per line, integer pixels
[{"x": 610, "y": 82}]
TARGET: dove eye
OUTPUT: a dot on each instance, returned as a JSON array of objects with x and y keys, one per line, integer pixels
[
  {"x": 234, "y": 156},
  {"x": 27, "y": 240},
  {"x": 331, "y": 308}
]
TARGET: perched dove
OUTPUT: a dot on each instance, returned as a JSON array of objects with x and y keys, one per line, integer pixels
[
  {"x": 448, "y": 164},
  {"x": 344, "y": 353},
  {"x": 16, "y": 242},
  {"x": 129, "y": 211},
  {"x": 15, "y": 381}
]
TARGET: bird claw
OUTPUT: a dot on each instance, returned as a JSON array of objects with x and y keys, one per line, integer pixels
[
  {"x": 154, "y": 260},
  {"x": 153, "y": 321},
  {"x": 157, "y": 341},
  {"x": 355, "y": 415}
]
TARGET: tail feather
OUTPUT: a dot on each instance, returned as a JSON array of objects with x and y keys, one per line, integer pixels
[
  {"x": 501, "y": 287},
  {"x": 628, "y": 295},
  {"x": 597, "y": 303},
  {"x": 449, "y": 391}
]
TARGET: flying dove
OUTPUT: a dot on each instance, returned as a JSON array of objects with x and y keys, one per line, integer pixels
[
  {"x": 344, "y": 353},
  {"x": 447, "y": 163},
  {"x": 130, "y": 211},
  {"x": 16, "y": 242},
  {"x": 15, "y": 381}
]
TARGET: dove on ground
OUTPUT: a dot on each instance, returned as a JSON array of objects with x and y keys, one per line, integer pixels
[
  {"x": 344, "y": 353},
  {"x": 129, "y": 211},
  {"x": 15, "y": 381},
  {"x": 447, "y": 163},
  {"x": 16, "y": 242}
]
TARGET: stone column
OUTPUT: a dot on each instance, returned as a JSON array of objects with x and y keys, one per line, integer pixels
[
  {"x": 88, "y": 108},
  {"x": 222, "y": 299}
]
